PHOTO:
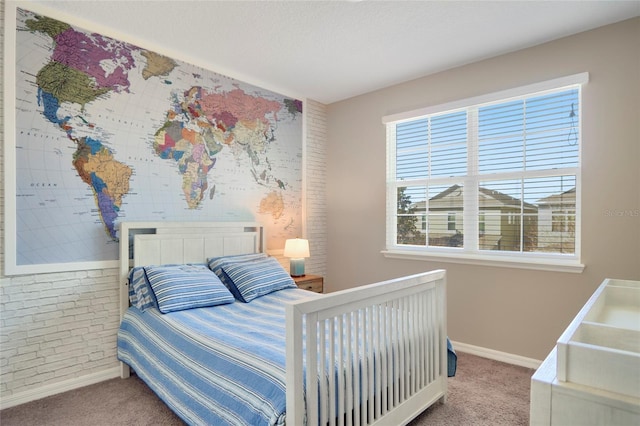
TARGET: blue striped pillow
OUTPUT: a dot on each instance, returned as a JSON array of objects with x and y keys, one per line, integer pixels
[
  {"x": 140, "y": 294},
  {"x": 185, "y": 287},
  {"x": 257, "y": 278},
  {"x": 216, "y": 264}
]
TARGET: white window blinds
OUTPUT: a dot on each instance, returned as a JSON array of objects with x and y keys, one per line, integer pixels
[{"x": 499, "y": 173}]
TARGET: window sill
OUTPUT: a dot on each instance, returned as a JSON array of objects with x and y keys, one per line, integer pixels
[{"x": 541, "y": 263}]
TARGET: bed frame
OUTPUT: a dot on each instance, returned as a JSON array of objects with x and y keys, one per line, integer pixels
[{"x": 396, "y": 364}]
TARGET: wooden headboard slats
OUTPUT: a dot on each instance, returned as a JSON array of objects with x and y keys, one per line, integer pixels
[{"x": 161, "y": 243}]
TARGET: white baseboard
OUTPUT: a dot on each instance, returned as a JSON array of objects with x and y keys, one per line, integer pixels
[
  {"x": 56, "y": 388},
  {"x": 497, "y": 355}
]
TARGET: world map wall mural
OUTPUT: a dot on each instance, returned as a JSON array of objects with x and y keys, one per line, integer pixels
[{"x": 108, "y": 132}]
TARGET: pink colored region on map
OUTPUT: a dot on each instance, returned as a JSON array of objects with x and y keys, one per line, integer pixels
[
  {"x": 84, "y": 53},
  {"x": 198, "y": 152},
  {"x": 229, "y": 106}
]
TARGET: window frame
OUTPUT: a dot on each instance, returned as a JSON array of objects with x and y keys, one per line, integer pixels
[{"x": 529, "y": 260}]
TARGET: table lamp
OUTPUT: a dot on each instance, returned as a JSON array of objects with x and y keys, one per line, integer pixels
[{"x": 296, "y": 250}]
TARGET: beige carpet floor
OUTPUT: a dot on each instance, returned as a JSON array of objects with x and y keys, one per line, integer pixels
[{"x": 483, "y": 392}]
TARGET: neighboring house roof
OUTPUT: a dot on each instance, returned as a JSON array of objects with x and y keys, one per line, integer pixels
[
  {"x": 452, "y": 198},
  {"x": 504, "y": 199},
  {"x": 566, "y": 197}
]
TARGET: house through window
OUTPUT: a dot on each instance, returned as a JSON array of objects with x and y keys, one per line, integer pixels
[{"x": 490, "y": 175}]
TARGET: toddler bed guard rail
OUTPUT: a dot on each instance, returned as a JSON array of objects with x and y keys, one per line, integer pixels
[{"x": 390, "y": 338}]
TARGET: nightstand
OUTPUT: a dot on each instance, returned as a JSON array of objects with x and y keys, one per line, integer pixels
[{"x": 310, "y": 282}]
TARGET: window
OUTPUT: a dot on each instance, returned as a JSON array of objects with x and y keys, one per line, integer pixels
[
  {"x": 493, "y": 178},
  {"x": 451, "y": 221}
]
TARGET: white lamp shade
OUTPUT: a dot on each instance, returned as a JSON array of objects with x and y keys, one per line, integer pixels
[{"x": 296, "y": 248}]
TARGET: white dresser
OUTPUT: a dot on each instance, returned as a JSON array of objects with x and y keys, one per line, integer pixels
[{"x": 592, "y": 376}]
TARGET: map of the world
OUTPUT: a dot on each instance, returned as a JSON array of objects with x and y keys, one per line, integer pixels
[{"x": 107, "y": 132}]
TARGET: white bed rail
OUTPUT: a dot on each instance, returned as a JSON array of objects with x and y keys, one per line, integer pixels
[{"x": 385, "y": 343}]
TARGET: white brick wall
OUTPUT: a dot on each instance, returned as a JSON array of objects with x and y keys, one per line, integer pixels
[
  {"x": 58, "y": 327},
  {"x": 316, "y": 194}
]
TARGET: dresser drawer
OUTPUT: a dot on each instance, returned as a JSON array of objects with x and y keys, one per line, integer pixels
[{"x": 310, "y": 282}]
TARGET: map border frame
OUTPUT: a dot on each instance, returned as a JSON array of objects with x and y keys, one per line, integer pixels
[{"x": 11, "y": 268}]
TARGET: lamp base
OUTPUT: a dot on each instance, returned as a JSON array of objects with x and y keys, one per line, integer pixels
[{"x": 296, "y": 267}]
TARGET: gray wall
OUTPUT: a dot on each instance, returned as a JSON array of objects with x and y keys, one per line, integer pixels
[{"x": 516, "y": 311}]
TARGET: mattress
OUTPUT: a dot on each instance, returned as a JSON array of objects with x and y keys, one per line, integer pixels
[{"x": 216, "y": 365}]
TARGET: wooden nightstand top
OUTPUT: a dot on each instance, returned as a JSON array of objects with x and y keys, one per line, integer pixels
[{"x": 310, "y": 282}]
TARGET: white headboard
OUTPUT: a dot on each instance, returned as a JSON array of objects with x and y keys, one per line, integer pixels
[{"x": 158, "y": 243}]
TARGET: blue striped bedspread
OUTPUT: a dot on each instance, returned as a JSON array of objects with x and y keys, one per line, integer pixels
[{"x": 218, "y": 365}]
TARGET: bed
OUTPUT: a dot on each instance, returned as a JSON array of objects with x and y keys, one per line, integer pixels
[{"x": 374, "y": 354}]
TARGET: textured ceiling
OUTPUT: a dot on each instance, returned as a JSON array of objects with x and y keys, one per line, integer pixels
[{"x": 332, "y": 50}]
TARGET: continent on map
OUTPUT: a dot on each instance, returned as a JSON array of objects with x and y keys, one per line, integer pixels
[
  {"x": 108, "y": 178},
  {"x": 81, "y": 69},
  {"x": 157, "y": 65},
  {"x": 201, "y": 123},
  {"x": 272, "y": 204},
  {"x": 193, "y": 151}
]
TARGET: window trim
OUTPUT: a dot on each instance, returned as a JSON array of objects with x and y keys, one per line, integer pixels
[
  {"x": 503, "y": 95},
  {"x": 531, "y": 261},
  {"x": 527, "y": 260}
]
